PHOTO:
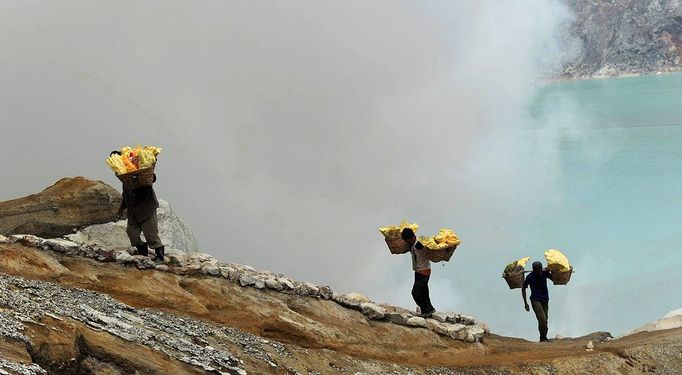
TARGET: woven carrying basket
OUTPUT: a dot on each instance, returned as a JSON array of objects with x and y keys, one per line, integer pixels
[
  {"x": 139, "y": 178},
  {"x": 562, "y": 278},
  {"x": 514, "y": 279},
  {"x": 397, "y": 245},
  {"x": 441, "y": 255}
]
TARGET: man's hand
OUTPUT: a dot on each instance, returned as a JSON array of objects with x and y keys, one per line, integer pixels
[
  {"x": 119, "y": 214},
  {"x": 527, "y": 307}
]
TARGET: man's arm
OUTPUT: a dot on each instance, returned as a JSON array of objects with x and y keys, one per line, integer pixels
[{"x": 525, "y": 301}]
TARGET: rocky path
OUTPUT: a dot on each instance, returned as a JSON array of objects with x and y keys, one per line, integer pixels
[{"x": 72, "y": 309}]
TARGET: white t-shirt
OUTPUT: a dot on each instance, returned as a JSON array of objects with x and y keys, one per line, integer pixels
[{"x": 420, "y": 261}]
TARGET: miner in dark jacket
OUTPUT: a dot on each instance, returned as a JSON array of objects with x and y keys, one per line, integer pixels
[
  {"x": 539, "y": 297},
  {"x": 141, "y": 204}
]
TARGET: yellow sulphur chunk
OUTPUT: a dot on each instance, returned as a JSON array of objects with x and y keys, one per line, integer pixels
[
  {"x": 393, "y": 230},
  {"x": 556, "y": 261}
]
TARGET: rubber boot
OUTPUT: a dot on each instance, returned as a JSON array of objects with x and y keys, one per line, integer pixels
[
  {"x": 142, "y": 249},
  {"x": 160, "y": 253}
]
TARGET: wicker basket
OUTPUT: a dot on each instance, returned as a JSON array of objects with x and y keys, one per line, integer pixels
[
  {"x": 442, "y": 255},
  {"x": 562, "y": 277},
  {"x": 514, "y": 279},
  {"x": 397, "y": 245},
  {"x": 139, "y": 178}
]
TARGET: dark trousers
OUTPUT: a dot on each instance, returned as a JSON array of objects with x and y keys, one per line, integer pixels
[
  {"x": 149, "y": 227},
  {"x": 420, "y": 292},
  {"x": 541, "y": 309}
]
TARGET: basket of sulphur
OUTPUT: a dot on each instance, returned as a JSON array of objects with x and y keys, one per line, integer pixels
[
  {"x": 514, "y": 273},
  {"x": 558, "y": 266},
  {"x": 440, "y": 247},
  {"x": 134, "y": 167}
]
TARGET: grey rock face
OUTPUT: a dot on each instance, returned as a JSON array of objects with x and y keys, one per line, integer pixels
[
  {"x": 173, "y": 231},
  {"x": 625, "y": 37}
]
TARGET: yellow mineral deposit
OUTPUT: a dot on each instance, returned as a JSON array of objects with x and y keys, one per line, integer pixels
[
  {"x": 395, "y": 230},
  {"x": 556, "y": 261}
]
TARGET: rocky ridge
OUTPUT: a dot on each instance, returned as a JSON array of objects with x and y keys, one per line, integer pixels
[{"x": 450, "y": 324}]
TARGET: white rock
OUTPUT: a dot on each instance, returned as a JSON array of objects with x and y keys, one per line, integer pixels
[
  {"x": 483, "y": 326},
  {"x": 272, "y": 283},
  {"x": 432, "y": 324},
  {"x": 474, "y": 333},
  {"x": 467, "y": 320},
  {"x": 26, "y": 240},
  {"x": 440, "y": 328},
  {"x": 372, "y": 311},
  {"x": 143, "y": 262},
  {"x": 259, "y": 284},
  {"x": 211, "y": 270},
  {"x": 172, "y": 230},
  {"x": 416, "y": 321},
  {"x": 456, "y": 331},
  {"x": 60, "y": 245},
  {"x": 590, "y": 345},
  {"x": 326, "y": 292},
  {"x": 452, "y": 317},
  {"x": 352, "y": 300},
  {"x": 672, "y": 314},
  {"x": 4, "y": 239},
  {"x": 201, "y": 258},
  {"x": 124, "y": 257},
  {"x": 225, "y": 272},
  {"x": 246, "y": 279},
  {"x": 442, "y": 317},
  {"x": 286, "y": 283},
  {"x": 233, "y": 274},
  {"x": 398, "y": 318},
  {"x": 670, "y": 320},
  {"x": 177, "y": 258},
  {"x": 312, "y": 288}
]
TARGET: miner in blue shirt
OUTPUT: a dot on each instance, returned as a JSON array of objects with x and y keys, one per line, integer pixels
[{"x": 539, "y": 296}]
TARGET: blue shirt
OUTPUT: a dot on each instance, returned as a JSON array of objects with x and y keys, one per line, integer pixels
[{"x": 538, "y": 286}]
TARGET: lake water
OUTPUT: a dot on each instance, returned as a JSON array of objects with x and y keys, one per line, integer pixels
[
  {"x": 620, "y": 161},
  {"x": 610, "y": 197}
]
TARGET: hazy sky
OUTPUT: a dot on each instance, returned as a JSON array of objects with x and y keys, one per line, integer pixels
[{"x": 293, "y": 130}]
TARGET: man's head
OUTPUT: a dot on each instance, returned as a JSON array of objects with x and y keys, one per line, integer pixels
[
  {"x": 408, "y": 235},
  {"x": 537, "y": 267}
]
